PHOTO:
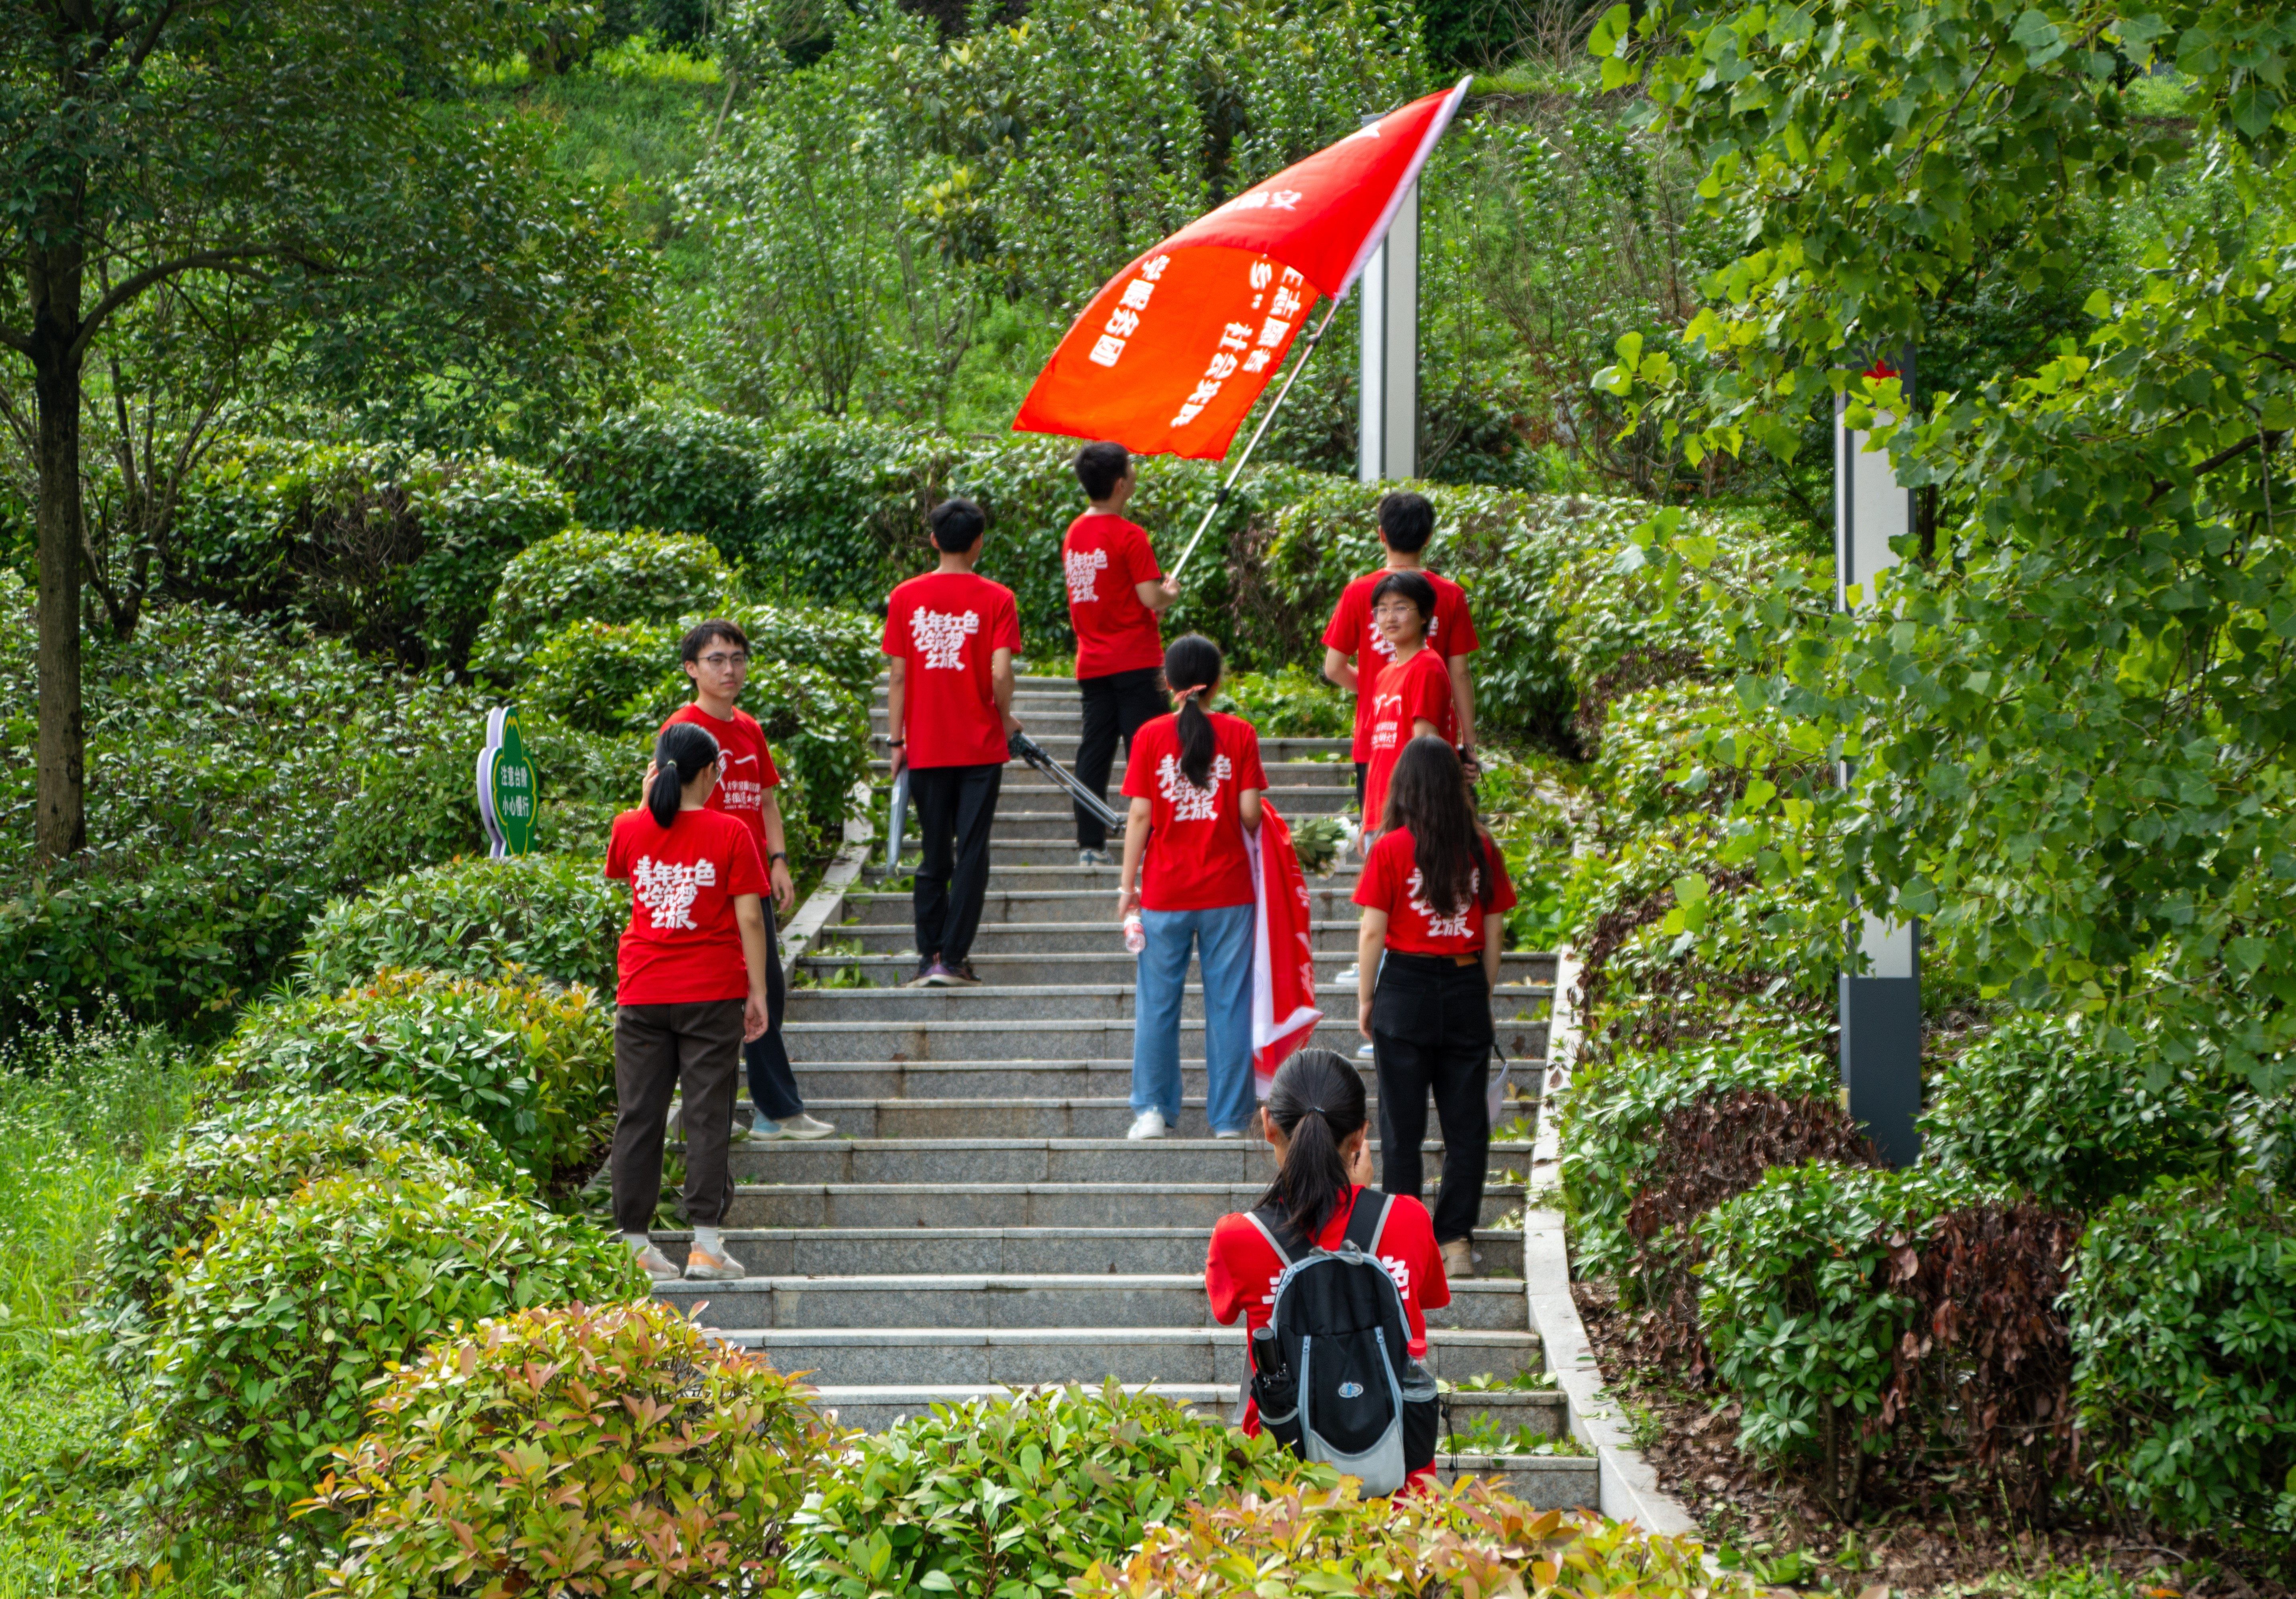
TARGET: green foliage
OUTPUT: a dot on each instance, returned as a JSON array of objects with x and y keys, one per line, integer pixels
[
  {"x": 602, "y": 677},
  {"x": 2069, "y": 704},
  {"x": 1013, "y": 1498},
  {"x": 399, "y": 554},
  {"x": 530, "y": 1063},
  {"x": 273, "y": 1333},
  {"x": 839, "y": 644},
  {"x": 555, "y": 916},
  {"x": 1799, "y": 1308},
  {"x": 2036, "y": 1104},
  {"x": 1610, "y": 1130},
  {"x": 2184, "y": 1319},
  {"x": 619, "y": 1448},
  {"x": 1468, "y": 1539},
  {"x": 408, "y": 1117},
  {"x": 1290, "y": 702},
  {"x": 632, "y": 575}
]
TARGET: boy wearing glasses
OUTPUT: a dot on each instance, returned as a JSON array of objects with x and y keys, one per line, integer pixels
[{"x": 717, "y": 656}]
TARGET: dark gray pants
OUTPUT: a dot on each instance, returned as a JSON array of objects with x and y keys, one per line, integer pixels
[
  {"x": 1115, "y": 706},
  {"x": 1431, "y": 1033},
  {"x": 772, "y": 1085},
  {"x": 955, "y": 807},
  {"x": 661, "y": 1050}
]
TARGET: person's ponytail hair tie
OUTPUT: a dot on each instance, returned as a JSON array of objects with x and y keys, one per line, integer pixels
[
  {"x": 1317, "y": 1101},
  {"x": 1192, "y": 670},
  {"x": 680, "y": 755}
]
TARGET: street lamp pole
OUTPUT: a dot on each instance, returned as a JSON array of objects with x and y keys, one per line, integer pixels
[{"x": 1879, "y": 1008}]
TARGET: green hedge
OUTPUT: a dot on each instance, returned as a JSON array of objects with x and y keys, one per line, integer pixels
[
  {"x": 398, "y": 552},
  {"x": 633, "y": 575},
  {"x": 554, "y": 917}
]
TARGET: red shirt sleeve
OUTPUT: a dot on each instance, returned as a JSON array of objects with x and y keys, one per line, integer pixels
[
  {"x": 1248, "y": 773},
  {"x": 745, "y": 873},
  {"x": 1502, "y": 887},
  {"x": 1227, "y": 1294},
  {"x": 1140, "y": 557},
  {"x": 1138, "y": 782},
  {"x": 617, "y": 853},
  {"x": 1375, "y": 889},
  {"x": 1426, "y": 695},
  {"x": 1431, "y": 1289},
  {"x": 1459, "y": 625},
  {"x": 1346, "y": 633},
  {"x": 1004, "y": 631}
]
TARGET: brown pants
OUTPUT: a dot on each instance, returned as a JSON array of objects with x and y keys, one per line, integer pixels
[{"x": 659, "y": 1049}]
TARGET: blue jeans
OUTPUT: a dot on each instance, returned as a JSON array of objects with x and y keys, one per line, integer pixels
[{"x": 1223, "y": 939}]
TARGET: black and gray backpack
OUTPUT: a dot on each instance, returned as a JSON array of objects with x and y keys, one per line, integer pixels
[{"x": 1331, "y": 1370}]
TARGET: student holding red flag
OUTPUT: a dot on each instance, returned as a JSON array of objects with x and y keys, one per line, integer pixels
[
  {"x": 1116, "y": 593},
  {"x": 950, "y": 637},
  {"x": 1434, "y": 890},
  {"x": 1194, "y": 778},
  {"x": 1407, "y": 522},
  {"x": 1413, "y": 696}
]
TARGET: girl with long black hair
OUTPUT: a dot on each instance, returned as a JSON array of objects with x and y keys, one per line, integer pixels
[
  {"x": 690, "y": 991},
  {"x": 1316, "y": 1120},
  {"x": 1434, "y": 892},
  {"x": 1195, "y": 779}
]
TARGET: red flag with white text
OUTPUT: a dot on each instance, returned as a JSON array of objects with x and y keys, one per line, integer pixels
[
  {"x": 1171, "y": 354},
  {"x": 1283, "y": 1014}
]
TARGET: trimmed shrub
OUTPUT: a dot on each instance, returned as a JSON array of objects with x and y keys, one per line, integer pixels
[
  {"x": 2037, "y": 1103},
  {"x": 532, "y": 1064},
  {"x": 399, "y": 554},
  {"x": 272, "y": 1335},
  {"x": 404, "y": 1117},
  {"x": 174, "y": 1205},
  {"x": 633, "y": 575},
  {"x": 1611, "y": 1129},
  {"x": 615, "y": 1451},
  {"x": 553, "y": 916},
  {"x": 1470, "y": 1538},
  {"x": 842, "y": 644},
  {"x": 1075, "y": 1475},
  {"x": 1291, "y": 703},
  {"x": 1801, "y": 1312},
  {"x": 605, "y": 678},
  {"x": 2182, "y": 1306}
]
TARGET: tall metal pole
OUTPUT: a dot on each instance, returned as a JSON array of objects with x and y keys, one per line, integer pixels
[
  {"x": 1388, "y": 417},
  {"x": 1881, "y": 1008}
]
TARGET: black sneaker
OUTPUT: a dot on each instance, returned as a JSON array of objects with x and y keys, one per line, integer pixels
[
  {"x": 963, "y": 973},
  {"x": 924, "y": 970}
]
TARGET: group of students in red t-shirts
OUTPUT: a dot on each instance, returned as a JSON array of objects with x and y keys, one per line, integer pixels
[{"x": 699, "y": 978}]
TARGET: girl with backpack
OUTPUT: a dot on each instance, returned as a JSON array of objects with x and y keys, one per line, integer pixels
[
  {"x": 692, "y": 991},
  {"x": 1195, "y": 779},
  {"x": 1316, "y": 1120},
  {"x": 1433, "y": 889}
]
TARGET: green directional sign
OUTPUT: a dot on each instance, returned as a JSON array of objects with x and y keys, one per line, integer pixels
[{"x": 506, "y": 786}]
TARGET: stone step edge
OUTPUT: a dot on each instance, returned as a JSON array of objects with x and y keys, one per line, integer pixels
[
  {"x": 1204, "y": 1393},
  {"x": 767, "y": 1338},
  {"x": 1007, "y": 1283},
  {"x": 1049, "y": 1190},
  {"x": 976, "y": 1235},
  {"x": 904, "y": 1147}
]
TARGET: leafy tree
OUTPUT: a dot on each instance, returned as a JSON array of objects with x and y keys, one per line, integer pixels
[
  {"x": 2072, "y": 710},
  {"x": 150, "y": 147}
]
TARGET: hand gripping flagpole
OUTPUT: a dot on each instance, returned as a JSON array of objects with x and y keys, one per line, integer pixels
[{"x": 1236, "y": 471}]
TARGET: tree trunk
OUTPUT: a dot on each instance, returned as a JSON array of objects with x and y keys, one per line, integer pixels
[{"x": 61, "y": 823}]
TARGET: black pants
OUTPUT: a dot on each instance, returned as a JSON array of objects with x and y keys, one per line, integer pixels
[
  {"x": 1114, "y": 707},
  {"x": 1431, "y": 1030},
  {"x": 772, "y": 1085},
  {"x": 661, "y": 1050},
  {"x": 955, "y": 806}
]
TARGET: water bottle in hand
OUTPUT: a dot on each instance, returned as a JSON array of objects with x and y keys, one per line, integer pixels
[{"x": 1135, "y": 936}]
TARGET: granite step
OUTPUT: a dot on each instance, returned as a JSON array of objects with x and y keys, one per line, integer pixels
[
  {"x": 1102, "y": 1078},
  {"x": 1038, "y": 1117},
  {"x": 1018, "y": 940},
  {"x": 910, "y": 1355},
  {"x": 1327, "y": 901},
  {"x": 1005, "y": 1251},
  {"x": 1023, "y": 1160},
  {"x": 874, "y": 1409},
  {"x": 1299, "y": 776},
  {"x": 904, "y": 1006},
  {"x": 1106, "y": 1204},
  {"x": 1519, "y": 971},
  {"x": 1053, "y": 1039},
  {"x": 1009, "y": 872}
]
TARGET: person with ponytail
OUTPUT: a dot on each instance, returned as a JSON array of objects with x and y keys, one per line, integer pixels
[
  {"x": 1195, "y": 779},
  {"x": 1433, "y": 891},
  {"x": 1317, "y": 1122},
  {"x": 690, "y": 992}
]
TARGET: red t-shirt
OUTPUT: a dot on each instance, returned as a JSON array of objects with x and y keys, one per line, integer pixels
[
  {"x": 1241, "y": 1270},
  {"x": 1104, "y": 559},
  {"x": 747, "y": 767},
  {"x": 1391, "y": 882},
  {"x": 683, "y": 944},
  {"x": 1195, "y": 859},
  {"x": 947, "y": 626},
  {"x": 1419, "y": 690},
  {"x": 1351, "y": 632}
]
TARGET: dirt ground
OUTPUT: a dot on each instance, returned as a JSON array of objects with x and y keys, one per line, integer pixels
[{"x": 1919, "y": 1538}]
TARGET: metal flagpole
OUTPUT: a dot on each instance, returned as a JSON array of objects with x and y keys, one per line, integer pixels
[{"x": 1236, "y": 471}]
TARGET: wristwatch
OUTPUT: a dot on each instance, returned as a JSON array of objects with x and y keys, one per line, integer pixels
[{"x": 777, "y": 855}]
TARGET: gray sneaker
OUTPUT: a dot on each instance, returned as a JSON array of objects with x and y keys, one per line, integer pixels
[
  {"x": 799, "y": 1125},
  {"x": 657, "y": 1265},
  {"x": 1093, "y": 857},
  {"x": 702, "y": 1266}
]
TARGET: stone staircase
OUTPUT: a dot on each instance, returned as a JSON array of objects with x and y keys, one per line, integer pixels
[{"x": 980, "y": 1221}]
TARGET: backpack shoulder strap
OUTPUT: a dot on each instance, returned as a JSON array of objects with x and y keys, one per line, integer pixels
[
  {"x": 1276, "y": 1231},
  {"x": 1366, "y": 1223}
]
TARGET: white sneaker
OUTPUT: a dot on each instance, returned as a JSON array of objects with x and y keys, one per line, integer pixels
[
  {"x": 1363, "y": 1052},
  {"x": 656, "y": 1265},
  {"x": 1348, "y": 979},
  {"x": 799, "y": 1125},
  {"x": 702, "y": 1266},
  {"x": 1148, "y": 1124},
  {"x": 1230, "y": 1133},
  {"x": 1092, "y": 858}
]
